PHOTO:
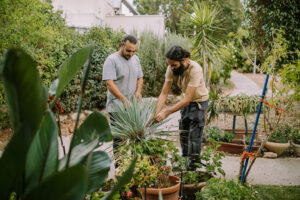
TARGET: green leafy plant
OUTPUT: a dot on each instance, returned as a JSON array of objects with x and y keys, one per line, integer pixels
[
  {"x": 214, "y": 95},
  {"x": 281, "y": 135},
  {"x": 239, "y": 104},
  {"x": 227, "y": 137},
  {"x": 215, "y": 133},
  {"x": 190, "y": 177},
  {"x": 30, "y": 165},
  {"x": 290, "y": 75},
  {"x": 222, "y": 189},
  {"x": 144, "y": 172},
  {"x": 296, "y": 136},
  {"x": 211, "y": 159},
  {"x": 208, "y": 166}
]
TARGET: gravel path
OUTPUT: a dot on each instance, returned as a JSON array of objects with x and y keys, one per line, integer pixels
[{"x": 244, "y": 85}]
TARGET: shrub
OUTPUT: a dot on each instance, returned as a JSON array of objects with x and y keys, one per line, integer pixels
[
  {"x": 222, "y": 189},
  {"x": 218, "y": 135},
  {"x": 41, "y": 32},
  {"x": 106, "y": 41},
  {"x": 151, "y": 54}
]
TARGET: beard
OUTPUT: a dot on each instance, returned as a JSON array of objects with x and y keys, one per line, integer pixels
[{"x": 179, "y": 71}]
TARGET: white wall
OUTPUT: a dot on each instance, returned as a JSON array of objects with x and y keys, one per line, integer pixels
[
  {"x": 138, "y": 23},
  {"x": 83, "y": 14}
]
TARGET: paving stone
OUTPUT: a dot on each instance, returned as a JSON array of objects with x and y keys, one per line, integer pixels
[{"x": 270, "y": 155}]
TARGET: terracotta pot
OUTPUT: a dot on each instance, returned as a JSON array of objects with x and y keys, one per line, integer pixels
[
  {"x": 191, "y": 189},
  {"x": 278, "y": 148},
  {"x": 236, "y": 147},
  {"x": 296, "y": 148},
  {"x": 170, "y": 193},
  {"x": 239, "y": 133}
]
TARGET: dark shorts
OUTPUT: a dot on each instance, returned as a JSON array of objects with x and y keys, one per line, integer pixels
[{"x": 191, "y": 127}]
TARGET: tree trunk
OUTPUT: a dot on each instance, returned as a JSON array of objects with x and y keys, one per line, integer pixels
[{"x": 205, "y": 67}]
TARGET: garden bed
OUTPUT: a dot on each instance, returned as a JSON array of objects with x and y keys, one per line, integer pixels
[{"x": 237, "y": 147}]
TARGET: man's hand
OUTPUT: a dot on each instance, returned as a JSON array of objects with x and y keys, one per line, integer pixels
[
  {"x": 125, "y": 102},
  {"x": 161, "y": 116},
  {"x": 138, "y": 95}
]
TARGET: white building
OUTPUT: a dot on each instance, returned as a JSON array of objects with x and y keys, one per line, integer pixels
[{"x": 86, "y": 14}]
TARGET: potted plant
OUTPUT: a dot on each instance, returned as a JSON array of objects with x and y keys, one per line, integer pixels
[
  {"x": 210, "y": 164},
  {"x": 227, "y": 141},
  {"x": 141, "y": 136},
  {"x": 278, "y": 142},
  {"x": 296, "y": 141},
  {"x": 239, "y": 104}
]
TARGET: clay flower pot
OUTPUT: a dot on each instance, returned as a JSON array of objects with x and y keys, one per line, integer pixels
[
  {"x": 296, "y": 148},
  {"x": 278, "y": 148},
  {"x": 170, "y": 193},
  {"x": 237, "y": 147},
  {"x": 191, "y": 189}
]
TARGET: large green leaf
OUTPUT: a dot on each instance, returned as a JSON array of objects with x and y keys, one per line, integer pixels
[
  {"x": 42, "y": 159},
  {"x": 79, "y": 153},
  {"x": 12, "y": 162},
  {"x": 95, "y": 125},
  {"x": 98, "y": 169},
  {"x": 69, "y": 184},
  {"x": 70, "y": 67},
  {"x": 27, "y": 100},
  {"x": 125, "y": 179},
  {"x": 25, "y": 95}
]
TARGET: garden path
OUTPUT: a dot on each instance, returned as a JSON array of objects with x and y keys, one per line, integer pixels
[{"x": 244, "y": 85}]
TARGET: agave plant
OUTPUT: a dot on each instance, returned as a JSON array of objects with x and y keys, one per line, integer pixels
[{"x": 134, "y": 123}]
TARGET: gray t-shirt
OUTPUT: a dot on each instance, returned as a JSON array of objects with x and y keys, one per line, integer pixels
[{"x": 124, "y": 73}]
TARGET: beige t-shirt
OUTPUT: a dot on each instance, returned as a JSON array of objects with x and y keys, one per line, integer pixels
[{"x": 192, "y": 77}]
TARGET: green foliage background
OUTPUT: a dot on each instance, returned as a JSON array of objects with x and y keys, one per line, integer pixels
[
  {"x": 265, "y": 16},
  {"x": 43, "y": 34}
]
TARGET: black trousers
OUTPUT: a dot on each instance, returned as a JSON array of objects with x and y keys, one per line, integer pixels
[
  {"x": 191, "y": 127},
  {"x": 116, "y": 140}
]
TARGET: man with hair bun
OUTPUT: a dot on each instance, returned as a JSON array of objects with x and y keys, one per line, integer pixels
[{"x": 188, "y": 75}]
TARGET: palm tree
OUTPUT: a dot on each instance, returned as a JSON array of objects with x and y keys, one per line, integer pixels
[{"x": 208, "y": 32}]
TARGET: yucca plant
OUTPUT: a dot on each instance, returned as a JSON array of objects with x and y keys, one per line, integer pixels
[
  {"x": 208, "y": 31},
  {"x": 134, "y": 123}
]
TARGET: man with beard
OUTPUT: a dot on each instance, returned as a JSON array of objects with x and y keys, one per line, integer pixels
[
  {"x": 193, "y": 106},
  {"x": 123, "y": 76}
]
